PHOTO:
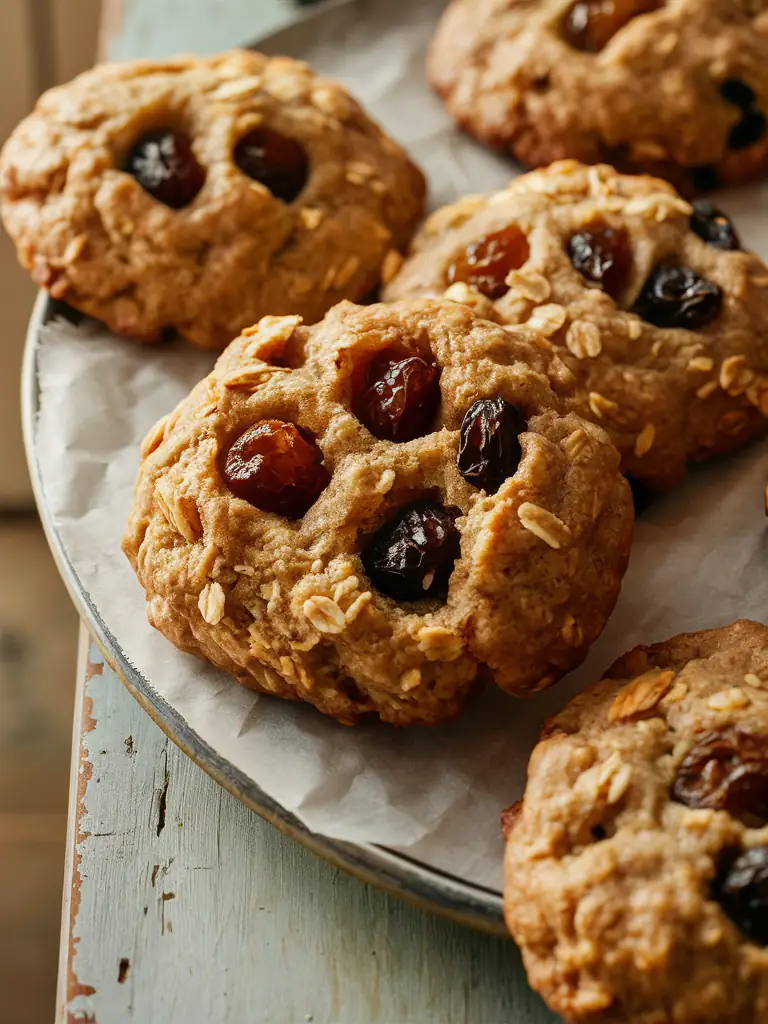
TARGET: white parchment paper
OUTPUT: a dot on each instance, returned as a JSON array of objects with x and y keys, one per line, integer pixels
[{"x": 699, "y": 560}]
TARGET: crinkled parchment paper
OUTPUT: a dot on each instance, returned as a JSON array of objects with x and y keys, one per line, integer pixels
[{"x": 699, "y": 558}]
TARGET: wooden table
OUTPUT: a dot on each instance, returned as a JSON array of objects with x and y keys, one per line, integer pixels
[{"x": 181, "y": 906}]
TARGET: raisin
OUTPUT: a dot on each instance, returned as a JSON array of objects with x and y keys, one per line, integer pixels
[
  {"x": 675, "y": 296},
  {"x": 734, "y": 91},
  {"x": 489, "y": 449},
  {"x": 713, "y": 226},
  {"x": 400, "y": 397},
  {"x": 413, "y": 554},
  {"x": 590, "y": 24},
  {"x": 726, "y": 770},
  {"x": 279, "y": 163},
  {"x": 277, "y": 467},
  {"x": 749, "y": 130},
  {"x": 164, "y": 165},
  {"x": 742, "y": 892},
  {"x": 601, "y": 254},
  {"x": 486, "y": 262}
]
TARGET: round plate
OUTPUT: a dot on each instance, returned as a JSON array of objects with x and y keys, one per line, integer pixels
[{"x": 463, "y": 902}]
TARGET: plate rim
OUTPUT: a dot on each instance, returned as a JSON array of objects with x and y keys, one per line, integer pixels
[{"x": 407, "y": 878}]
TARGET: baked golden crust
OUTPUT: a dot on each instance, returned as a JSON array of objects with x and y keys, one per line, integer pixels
[
  {"x": 93, "y": 236},
  {"x": 287, "y": 607},
  {"x": 667, "y": 396},
  {"x": 611, "y": 866},
  {"x": 650, "y": 100}
]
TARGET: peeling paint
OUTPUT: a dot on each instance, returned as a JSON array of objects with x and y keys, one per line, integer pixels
[
  {"x": 75, "y": 987},
  {"x": 162, "y": 797}
]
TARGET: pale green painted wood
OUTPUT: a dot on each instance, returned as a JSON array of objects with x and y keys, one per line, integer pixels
[{"x": 157, "y": 28}]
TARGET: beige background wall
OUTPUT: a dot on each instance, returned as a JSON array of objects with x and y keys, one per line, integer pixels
[{"x": 42, "y": 42}]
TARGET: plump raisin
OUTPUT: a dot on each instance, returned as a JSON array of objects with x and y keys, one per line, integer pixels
[
  {"x": 277, "y": 467},
  {"x": 726, "y": 770},
  {"x": 412, "y": 556},
  {"x": 742, "y": 892},
  {"x": 279, "y": 163},
  {"x": 675, "y": 296},
  {"x": 590, "y": 24},
  {"x": 489, "y": 449},
  {"x": 602, "y": 254},
  {"x": 713, "y": 226},
  {"x": 749, "y": 130},
  {"x": 164, "y": 165},
  {"x": 486, "y": 262},
  {"x": 400, "y": 397},
  {"x": 737, "y": 92}
]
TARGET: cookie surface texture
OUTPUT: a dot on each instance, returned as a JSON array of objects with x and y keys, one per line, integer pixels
[
  {"x": 203, "y": 193},
  {"x": 392, "y": 582},
  {"x": 678, "y": 89},
  {"x": 636, "y": 874},
  {"x": 659, "y": 315}
]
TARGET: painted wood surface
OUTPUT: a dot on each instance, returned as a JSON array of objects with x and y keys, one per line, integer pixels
[
  {"x": 181, "y": 905},
  {"x": 157, "y": 28}
]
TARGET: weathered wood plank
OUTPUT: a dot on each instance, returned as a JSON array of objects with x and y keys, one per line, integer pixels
[
  {"x": 156, "y": 28},
  {"x": 186, "y": 906}
]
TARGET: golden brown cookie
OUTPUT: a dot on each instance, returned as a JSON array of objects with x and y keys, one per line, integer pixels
[
  {"x": 636, "y": 876},
  {"x": 203, "y": 193},
  {"x": 373, "y": 513},
  {"x": 659, "y": 315},
  {"x": 678, "y": 89}
]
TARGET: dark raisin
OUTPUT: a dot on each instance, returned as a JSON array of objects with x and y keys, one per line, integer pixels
[
  {"x": 412, "y": 556},
  {"x": 489, "y": 449},
  {"x": 742, "y": 892},
  {"x": 734, "y": 91},
  {"x": 164, "y": 165},
  {"x": 704, "y": 178},
  {"x": 485, "y": 263},
  {"x": 726, "y": 770},
  {"x": 676, "y": 296},
  {"x": 749, "y": 130},
  {"x": 713, "y": 226},
  {"x": 400, "y": 397},
  {"x": 277, "y": 467},
  {"x": 602, "y": 254},
  {"x": 279, "y": 163},
  {"x": 590, "y": 24}
]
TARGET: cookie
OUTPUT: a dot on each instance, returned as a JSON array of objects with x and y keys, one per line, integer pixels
[
  {"x": 660, "y": 317},
  {"x": 636, "y": 875},
  {"x": 203, "y": 193},
  {"x": 675, "y": 89},
  {"x": 376, "y": 513}
]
